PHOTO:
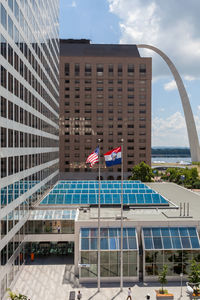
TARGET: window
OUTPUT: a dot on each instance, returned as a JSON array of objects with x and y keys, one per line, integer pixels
[
  {"x": 130, "y": 126},
  {"x": 99, "y": 89},
  {"x": 3, "y": 46},
  {"x": 110, "y": 81},
  {"x": 10, "y": 27},
  {"x": 87, "y": 81},
  {"x": 76, "y": 69},
  {"x": 3, "y": 17},
  {"x": 3, "y": 107},
  {"x": 99, "y": 70},
  {"x": 3, "y": 77},
  {"x": 110, "y": 70},
  {"x": 88, "y": 89},
  {"x": 142, "y": 68},
  {"x": 119, "y": 70},
  {"x": 67, "y": 81},
  {"x": 67, "y": 69},
  {"x": 130, "y": 69},
  {"x": 88, "y": 70}
]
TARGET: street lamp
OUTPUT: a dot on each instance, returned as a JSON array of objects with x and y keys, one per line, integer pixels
[{"x": 181, "y": 276}]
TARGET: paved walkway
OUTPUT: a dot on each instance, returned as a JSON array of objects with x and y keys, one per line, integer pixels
[{"x": 46, "y": 282}]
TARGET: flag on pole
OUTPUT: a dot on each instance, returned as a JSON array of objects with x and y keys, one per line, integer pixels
[
  {"x": 113, "y": 157},
  {"x": 93, "y": 158}
]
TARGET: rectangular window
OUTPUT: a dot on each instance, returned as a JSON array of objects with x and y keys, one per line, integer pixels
[
  {"x": 3, "y": 77},
  {"x": 76, "y": 69},
  {"x": 3, "y": 107},
  {"x": 88, "y": 70},
  {"x": 67, "y": 69},
  {"x": 110, "y": 70},
  {"x": 119, "y": 70},
  {"x": 130, "y": 69},
  {"x": 3, "y": 47},
  {"x": 142, "y": 68},
  {"x": 3, "y": 17},
  {"x": 99, "y": 70}
]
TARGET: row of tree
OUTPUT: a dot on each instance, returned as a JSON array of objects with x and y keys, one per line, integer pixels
[{"x": 183, "y": 176}]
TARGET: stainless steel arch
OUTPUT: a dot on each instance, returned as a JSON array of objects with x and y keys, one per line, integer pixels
[{"x": 189, "y": 118}]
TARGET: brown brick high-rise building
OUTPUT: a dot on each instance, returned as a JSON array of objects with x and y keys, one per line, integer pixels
[{"x": 105, "y": 92}]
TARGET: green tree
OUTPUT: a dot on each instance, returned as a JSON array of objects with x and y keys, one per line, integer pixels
[
  {"x": 142, "y": 172},
  {"x": 162, "y": 277},
  {"x": 14, "y": 296},
  {"x": 194, "y": 275}
]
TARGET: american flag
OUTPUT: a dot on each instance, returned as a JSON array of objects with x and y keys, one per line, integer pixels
[{"x": 93, "y": 158}]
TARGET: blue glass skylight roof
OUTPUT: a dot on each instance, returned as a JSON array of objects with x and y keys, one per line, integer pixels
[
  {"x": 166, "y": 238},
  {"x": 110, "y": 239},
  {"x": 86, "y": 192}
]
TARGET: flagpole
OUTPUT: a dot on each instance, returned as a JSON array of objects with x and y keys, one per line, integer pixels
[
  {"x": 121, "y": 255},
  {"x": 98, "y": 268}
]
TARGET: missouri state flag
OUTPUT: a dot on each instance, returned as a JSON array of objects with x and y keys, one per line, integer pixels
[{"x": 113, "y": 157}]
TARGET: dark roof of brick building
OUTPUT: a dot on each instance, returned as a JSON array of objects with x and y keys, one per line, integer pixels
[{"x": 82, "y": 47}]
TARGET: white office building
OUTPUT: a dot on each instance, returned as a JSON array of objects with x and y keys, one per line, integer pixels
[{"x": 29, "y": 113}]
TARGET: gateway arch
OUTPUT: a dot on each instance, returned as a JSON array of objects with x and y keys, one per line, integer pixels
[{"x": 189, "y": 118}]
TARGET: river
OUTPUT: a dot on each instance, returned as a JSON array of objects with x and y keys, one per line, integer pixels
[{"x": 162, "y": 159}]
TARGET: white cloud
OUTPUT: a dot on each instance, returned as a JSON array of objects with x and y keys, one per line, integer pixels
[
  {"x": 171, "y": 131},
  {"x": 198, "y": 107},
  {"x": 172, "y": 26},
  {"x": 189, "y": 78},
  {"x": 170, "y": 86}
]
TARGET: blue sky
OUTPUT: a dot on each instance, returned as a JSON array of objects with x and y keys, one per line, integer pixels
[{"x": 172, "y": 26}]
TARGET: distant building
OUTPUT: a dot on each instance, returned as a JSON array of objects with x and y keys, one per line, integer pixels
[
  {"x": 29, "y": 114},
  {"x": 105, "y": 92}
]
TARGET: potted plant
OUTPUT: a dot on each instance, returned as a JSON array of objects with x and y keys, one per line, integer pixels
[
  {"x": 194, "y": 277},
  {"x": 14, "y": 296},
  {"x": 163, "y": 293}
]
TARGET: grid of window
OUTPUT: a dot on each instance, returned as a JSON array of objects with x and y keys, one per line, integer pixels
[{"x": 29, "y": 113}]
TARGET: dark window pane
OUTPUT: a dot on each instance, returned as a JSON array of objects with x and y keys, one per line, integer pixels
[
  {"x": 156, "y": 231},
  {"x": 157, "y": 243},
  {"x": 192, "y": 231},
  {"x": 167, "y": 243},
  {"x": 85, "y": 232},
  {"x": 176, "y": 243},
  {"x": 148, "y": 243},
  {"x": 147, "y": 231},
  {"x": 194, "y": 242},
  {"x": 185, "y": 242},
  {"x": 165, "y": 232},
  {"x": 183, "y": 231},
  {"x": 104, "y": 243},
  {"x": 132, "y": 243},
  {"x": 84, "y": 244}
]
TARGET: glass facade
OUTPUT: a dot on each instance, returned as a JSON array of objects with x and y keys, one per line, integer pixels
[
  {"x": 173, "y": 246},
  {"x": 29, "y": 114},
  {"x": 110, "y": 241}
]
